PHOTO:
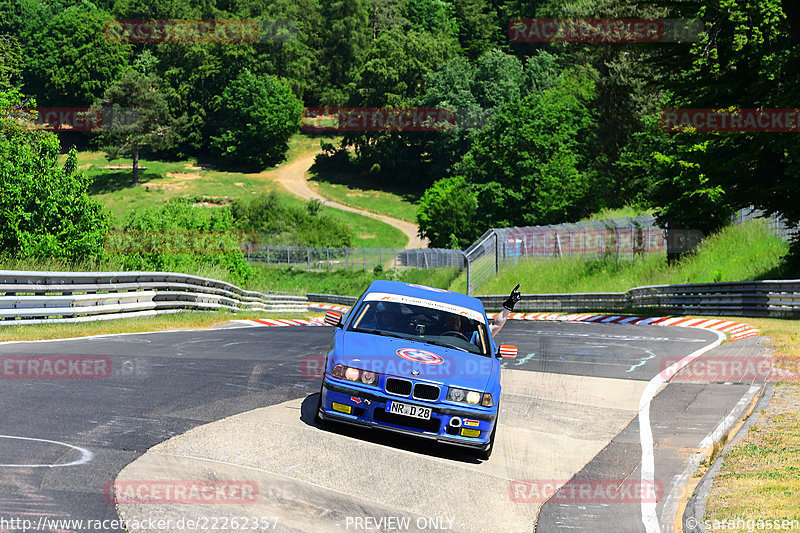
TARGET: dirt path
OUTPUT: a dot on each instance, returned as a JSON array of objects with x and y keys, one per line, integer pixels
[{"x": 293, "y": 178}]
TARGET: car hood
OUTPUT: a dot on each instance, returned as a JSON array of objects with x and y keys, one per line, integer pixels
[{"x": 401, "y": 357}]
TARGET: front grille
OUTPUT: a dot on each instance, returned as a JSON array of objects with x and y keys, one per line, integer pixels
[
  {"x": 401, "y": 387},
  {"x": 432, "y": 425},
  {"x": 426, "y": 392}
]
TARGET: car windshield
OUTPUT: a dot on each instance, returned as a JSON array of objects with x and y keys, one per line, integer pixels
[{"x": 422, "y": 323}]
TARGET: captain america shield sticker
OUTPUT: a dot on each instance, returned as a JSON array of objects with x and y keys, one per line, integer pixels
[{"x": 420, "y": 356}]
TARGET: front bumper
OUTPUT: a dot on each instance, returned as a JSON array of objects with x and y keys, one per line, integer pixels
[{"x": 368, "y": 409}]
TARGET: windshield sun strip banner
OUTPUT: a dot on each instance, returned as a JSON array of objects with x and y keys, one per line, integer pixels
[{"x": 432, "y": 304}]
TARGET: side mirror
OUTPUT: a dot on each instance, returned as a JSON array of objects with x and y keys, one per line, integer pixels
[
  {"x": 334, "y": 319},
  {"x": 507, "y": 351}
]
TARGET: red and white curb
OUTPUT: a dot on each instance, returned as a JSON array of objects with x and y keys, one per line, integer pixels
[
  {"x": 329, "y": 307},
  {"x": 736, "y": 330},
  {"x": 277, "y": 322}
]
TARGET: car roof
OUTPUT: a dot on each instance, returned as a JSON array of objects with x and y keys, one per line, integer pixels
[{"x": 427, "y": 293}]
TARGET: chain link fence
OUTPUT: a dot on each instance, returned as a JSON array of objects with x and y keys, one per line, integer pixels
[
  {"x": 321, "y": 259},
  {"x": 623, "y": 239},
  {"x": 620, "y": 238},
  {"x": 776, "y": 223}
]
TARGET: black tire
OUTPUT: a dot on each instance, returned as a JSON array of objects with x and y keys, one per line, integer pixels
[
  {"x": 317, "y": 419},
  {"x": 485, "y": 454}
]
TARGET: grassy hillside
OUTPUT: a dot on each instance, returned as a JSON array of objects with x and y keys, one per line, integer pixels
[
  {"x": 361, "y": 192},
  {"x": 162, "y": 180},
  {"x": 742, "y": 252}
]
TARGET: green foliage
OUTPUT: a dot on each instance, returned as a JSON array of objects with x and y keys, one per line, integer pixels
[
  {"x": 135, "y": 114},
  {"x": 478, "y": 30},
  {"x": 178, "y": 237},
  {"x": 255, "y": 117},
  {"x": 747, "y": 58},
  {"x": 447, "y": 212},
  {"x": 289, "y": 225},
  {"x": 434, "y": 16},
  {"x": 10, "y": 61},
  {"x": 346, "y": 283},
  {"x": 345, "y": 35},
  {"x": 392, "y": 70},
  {"x": 737, "y": 253},
  {"x": 69, "y": 62},
  {"x": 44, "y": 208},
  {"x": 529, "y": 165}
]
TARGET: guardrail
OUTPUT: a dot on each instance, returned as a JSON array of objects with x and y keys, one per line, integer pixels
[
  {"x": 780, "y": 299},
  {"x": 36, "y": 297}
]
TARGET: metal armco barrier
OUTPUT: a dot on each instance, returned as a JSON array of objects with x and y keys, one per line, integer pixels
[
  {"x": 36, "y": 297},
  {"x": 746, "y": 298}
]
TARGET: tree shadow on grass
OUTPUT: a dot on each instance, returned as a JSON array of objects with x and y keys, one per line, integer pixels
[
  {"x": 117, "y": 180},
  {"x": 352, "y": 176}
]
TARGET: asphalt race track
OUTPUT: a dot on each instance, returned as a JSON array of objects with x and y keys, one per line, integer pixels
[{"x": 239, "y": 403}]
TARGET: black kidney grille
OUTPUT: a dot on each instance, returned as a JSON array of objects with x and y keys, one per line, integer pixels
[
  {"x": 401, "y": 387},
  {"x": 426, "y": 392}
]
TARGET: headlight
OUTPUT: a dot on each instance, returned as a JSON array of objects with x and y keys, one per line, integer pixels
[
  {"x": 456, "y": 395},
  {"x": 354, "y": 374},
  {"x": 469, "y": 396}
]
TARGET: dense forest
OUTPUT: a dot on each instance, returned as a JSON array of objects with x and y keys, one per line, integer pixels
[{"x": 556, "y": 130}]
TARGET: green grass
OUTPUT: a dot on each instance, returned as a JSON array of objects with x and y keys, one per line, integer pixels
[
  {"x": 350, "y": 283},
  {"x": 161, "y": 181},
  {"x": 742, "y": 252},
  {"x": 620, "y": 212},
  {"x": 369, "y": 232},
  {"x": 363, "y": 192},
  {"x": 174, "y": 321}
]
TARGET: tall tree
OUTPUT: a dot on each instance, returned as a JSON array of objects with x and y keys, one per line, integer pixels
[
  {"x": 529, "y": 165},
  {"x": 478, "y": 30},
  {"x": 254, "y": 118},
  {"x": 135, "y": 114},
  {"x": 10, "y": 62},
  {"x": 746, "y": 58},
  {"x": 70, "y": 61},
  {"x": 344, "y": 39}
]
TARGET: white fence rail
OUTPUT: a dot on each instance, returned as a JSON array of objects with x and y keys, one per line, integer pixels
[
  {"x": 746, "y": 299},
  {"x": 36, "y": 297}
]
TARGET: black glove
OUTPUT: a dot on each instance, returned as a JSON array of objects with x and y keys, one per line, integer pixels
[{"x": 512, "y": 299}]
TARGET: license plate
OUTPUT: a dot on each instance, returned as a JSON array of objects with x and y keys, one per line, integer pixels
[{"x": 405, "y": 409}]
